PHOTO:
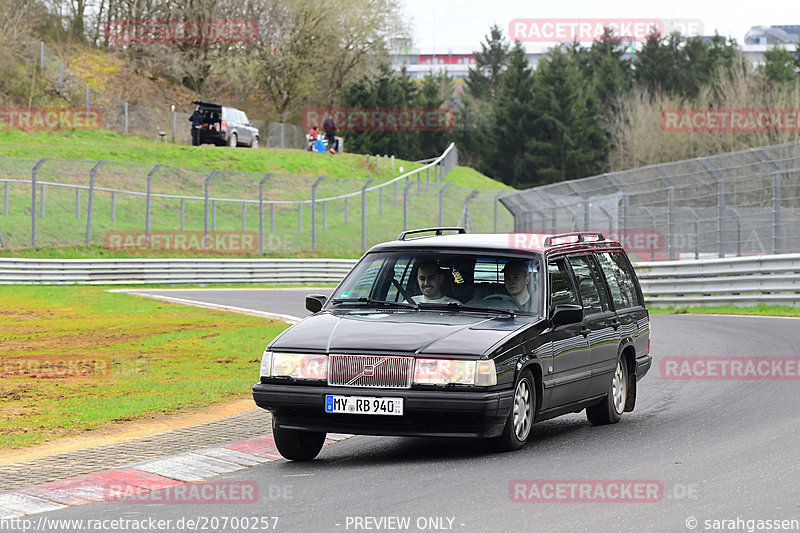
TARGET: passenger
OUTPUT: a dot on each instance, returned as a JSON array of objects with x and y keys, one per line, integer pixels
[
  {"x": 430, "y": 278},
  {"x": 517, "y": 279}
]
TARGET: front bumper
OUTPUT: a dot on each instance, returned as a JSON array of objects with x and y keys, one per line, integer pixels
[{"x": 426, "y": 413}]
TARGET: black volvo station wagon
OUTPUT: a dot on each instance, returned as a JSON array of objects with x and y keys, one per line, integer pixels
[{"x": 466, "y": 335}]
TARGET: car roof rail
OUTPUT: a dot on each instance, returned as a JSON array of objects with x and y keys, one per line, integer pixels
[
  {"x": 438, "y": 232},
  {"x": 581, "y": 235}
]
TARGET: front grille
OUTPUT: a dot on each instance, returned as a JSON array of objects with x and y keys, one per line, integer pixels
[{"x": 378, "y": 371}]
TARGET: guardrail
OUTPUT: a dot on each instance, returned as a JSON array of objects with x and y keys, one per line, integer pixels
[
  {"x": 763, "y": 279},
  {"x": 768, "y": 279},
  {"x": 168, "y": 271}
]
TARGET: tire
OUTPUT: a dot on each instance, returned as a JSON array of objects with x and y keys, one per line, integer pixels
[
  {"x": 520, "y": 419},
  {"x": 254, "y": 144},
  {"x": 609, "y": 411},
  {"x": 233, "y": 141},
  {"x": 297, "y": 445}
]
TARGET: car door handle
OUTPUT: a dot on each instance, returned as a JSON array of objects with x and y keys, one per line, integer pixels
[
  {"x": 585, "y": 331},
  {"x": 616, "y": 324}
]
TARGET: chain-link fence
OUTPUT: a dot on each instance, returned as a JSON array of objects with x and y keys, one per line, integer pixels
[
  {"x": 740, "y": 203},
  {"x": 122, "y": 117},
  {"x": 128, "y": 206}
]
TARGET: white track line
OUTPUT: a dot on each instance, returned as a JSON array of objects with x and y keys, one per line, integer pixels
[{"x": 290, "y": 319}]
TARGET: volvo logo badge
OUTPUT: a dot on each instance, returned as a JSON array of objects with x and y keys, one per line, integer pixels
[{"x": 369, "y": 370}]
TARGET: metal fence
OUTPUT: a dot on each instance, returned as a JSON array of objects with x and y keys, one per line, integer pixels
[
  {"x": 739, "y": 203},
  {"x": 125, "y": 118},
  {"x": 127, "y": 206}
]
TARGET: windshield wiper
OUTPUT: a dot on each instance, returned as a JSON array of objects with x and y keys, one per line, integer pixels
[
  {"x": 463, "y": 307},
  {"x": 374, "y": 301}
]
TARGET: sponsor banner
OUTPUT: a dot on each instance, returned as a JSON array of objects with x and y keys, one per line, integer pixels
[
  {"x": 719, "y": 120},
  {"x": 183, "y": 241},
  {"x": 150, "y": 31},
  {"x": 380, "y": 118},
  {"x": 50, "y": 118},
  {"x": 730, "y": 368}
]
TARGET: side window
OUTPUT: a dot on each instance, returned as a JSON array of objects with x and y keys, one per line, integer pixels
[
  {"x": 617, "y": 268},
  {"x": 561, "y": 290},
  {"x": 402, "y": 272},
  {"x": 590, "y": 285}
]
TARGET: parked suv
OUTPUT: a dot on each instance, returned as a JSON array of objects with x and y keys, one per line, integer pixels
[
  {"x": 464, "y": 335},
  {"x": 226, "y": 126}
]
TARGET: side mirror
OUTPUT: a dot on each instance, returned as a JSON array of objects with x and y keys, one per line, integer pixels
[
  {"x": 314, "y": 302},
  {"x": 567, "y": 314}
]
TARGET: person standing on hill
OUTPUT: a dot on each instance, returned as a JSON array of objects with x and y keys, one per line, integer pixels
[
  {"x": 330, "y": 133},
  {"x": 197, "y": 121}
]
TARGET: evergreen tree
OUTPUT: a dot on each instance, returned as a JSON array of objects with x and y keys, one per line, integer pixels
[
  {"x": 506, "y": 143},
  {"x": 653, "y": 65},
  {"x": 568, "y": 140},
  {"x": 779, "y": 65},
  {"x": 483, "y": 81}
]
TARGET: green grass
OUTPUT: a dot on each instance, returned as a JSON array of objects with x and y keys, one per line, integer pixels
[
  {"x": 337, "y": 235},
  {"x": 759, "y": 310},
  {"x": 97, "y": 145},
  {"x": 163, "y": 358}
]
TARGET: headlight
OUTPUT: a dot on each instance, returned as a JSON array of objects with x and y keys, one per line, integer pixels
[
  {"x": 447, "y": 371},
  {"x": 299, "y": 366}
]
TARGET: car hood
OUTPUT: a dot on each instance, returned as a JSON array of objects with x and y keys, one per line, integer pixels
[{"x": 419, "y": 332}]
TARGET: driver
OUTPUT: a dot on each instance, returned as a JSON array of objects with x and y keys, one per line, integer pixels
[
  {"x": 517, "y": 278},
  {"x": 430, "y": 278}
]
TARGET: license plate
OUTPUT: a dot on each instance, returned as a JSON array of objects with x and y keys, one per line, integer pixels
[{"x": 363, "y": 405}]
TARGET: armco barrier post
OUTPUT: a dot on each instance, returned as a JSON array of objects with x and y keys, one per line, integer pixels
[
  {"x": 405, "y": 204},
  {"x": 261, "y": 211},
  {"x": 496, "y": 203},
  {"x": 314, "y": 212},
  {"x": 205, "y": 214},
  {"x": 33, "y": 200},
  {"x": 364, "y": 213},
  {"x": 441, "y": 203},
  {"x": 147, "y": 203},
  {"x": 92, "y": 174}
]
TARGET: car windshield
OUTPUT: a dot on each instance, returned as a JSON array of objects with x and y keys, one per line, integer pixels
[{"x": 455, "y": 281}]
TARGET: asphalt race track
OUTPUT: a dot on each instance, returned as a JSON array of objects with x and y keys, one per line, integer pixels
[{"x": 724, "y": 450}]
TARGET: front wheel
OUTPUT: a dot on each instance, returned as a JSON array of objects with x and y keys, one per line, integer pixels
[
  {"x": 297, "y": 445},
  {"x": 254, "y": 144},
  {"x": 520, "y": 419},
  {"x": 609, "y": 411}
]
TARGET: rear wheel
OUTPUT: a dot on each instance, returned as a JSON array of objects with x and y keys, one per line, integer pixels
[
  {"x": 610, "y": 410},
  {"x": 233, "y": 140},
  {"x": 520, "y": 419}
]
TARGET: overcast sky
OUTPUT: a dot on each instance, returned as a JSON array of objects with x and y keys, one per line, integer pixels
[{"x": 462, "y": 24}]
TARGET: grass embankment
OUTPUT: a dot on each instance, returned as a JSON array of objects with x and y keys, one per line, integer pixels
[
  {"x": 118, "y": 358},
  {"x": 295, "y": 172},
  {"x": 756, "y": 310}
]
